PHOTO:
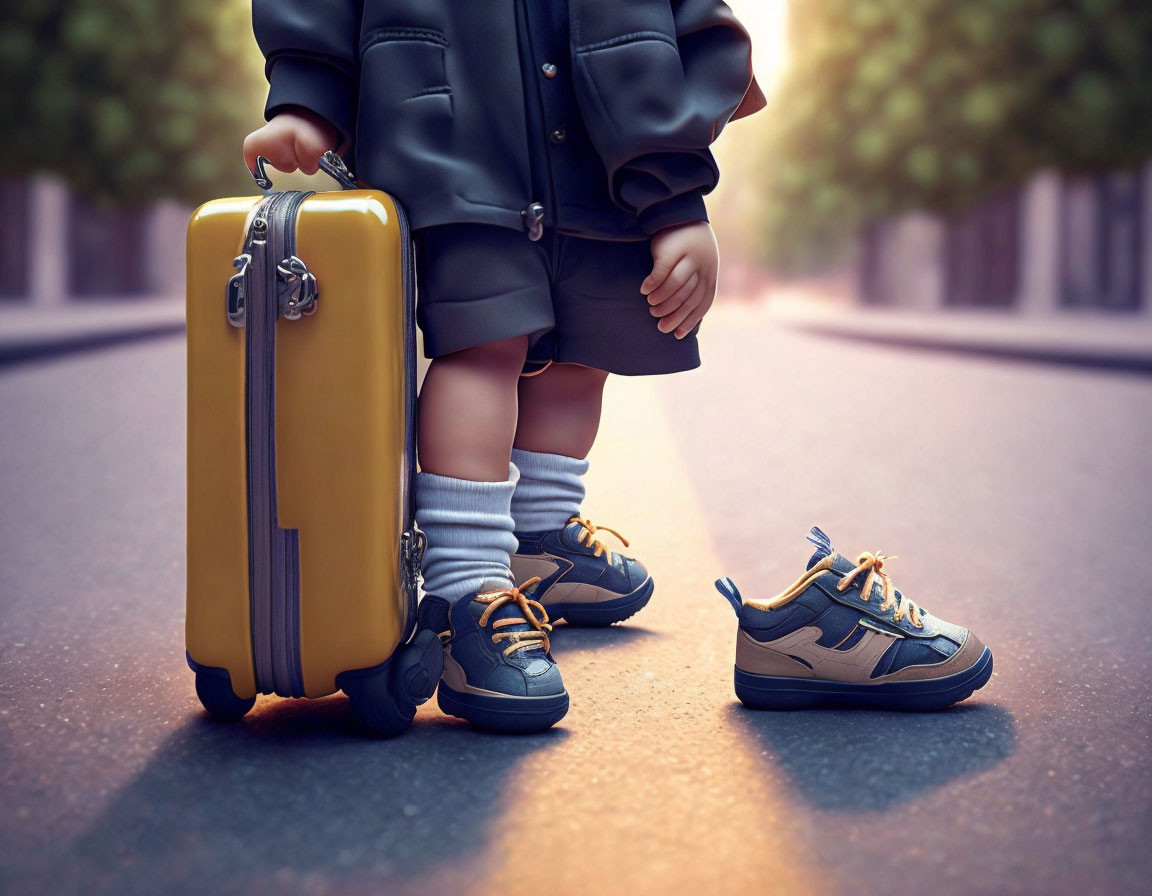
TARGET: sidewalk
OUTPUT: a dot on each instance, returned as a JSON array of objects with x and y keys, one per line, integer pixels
[
  {"x": 1086, "y": 339},
  {"x": 1118, "y": 341},
  {"x": 28, "y": 333}
]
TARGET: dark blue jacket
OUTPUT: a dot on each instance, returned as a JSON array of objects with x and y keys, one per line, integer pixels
[{"x": 431, "y": 99}]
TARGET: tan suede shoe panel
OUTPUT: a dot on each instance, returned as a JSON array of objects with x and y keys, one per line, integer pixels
[
  {"x": 962, "y": 659},
  {"x": 853, "y": 665},
  {"x": 754, "y": 657},
  {"x": 455, "y": 678}
]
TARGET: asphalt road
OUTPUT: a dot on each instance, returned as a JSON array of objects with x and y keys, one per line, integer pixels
[{"x": 1016, "y": 497}]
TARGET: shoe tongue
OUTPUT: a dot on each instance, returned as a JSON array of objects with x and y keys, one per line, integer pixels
[
  {"x": 570, "y": 535},
  {"x": 823, "y": 546},
  {"x": 570, "y": 538},
  {"x": 507, "y": 610}
]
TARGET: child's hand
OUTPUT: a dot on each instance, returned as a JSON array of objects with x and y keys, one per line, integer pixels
[
  {"x": 682, "y": 284},
  {"x": 292, "y": 140}
]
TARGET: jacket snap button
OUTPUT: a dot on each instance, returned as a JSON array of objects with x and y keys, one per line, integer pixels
[
  {"x": 533, "y": 217},
  {"x": 549, "y": 70},
  {"x": 558, "y": 135}
]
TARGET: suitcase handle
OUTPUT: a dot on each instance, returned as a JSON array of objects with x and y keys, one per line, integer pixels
[{"x": 330, "y": 163}]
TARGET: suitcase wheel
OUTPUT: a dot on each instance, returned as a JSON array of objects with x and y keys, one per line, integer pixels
[
  {"x": 384, "y": 699},
  {"x": 214, "y": 688}
]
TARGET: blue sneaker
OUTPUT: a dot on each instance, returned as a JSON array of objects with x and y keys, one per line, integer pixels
[
  {"x": 581, "y": 581},
  {"x": 498, "y": 673},
  {"x": 843, "y": 635}
]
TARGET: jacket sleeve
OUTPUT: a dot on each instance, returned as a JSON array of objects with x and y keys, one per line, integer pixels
[
  {"x": 653, "y": 106},
  {"x": 312, "y": 57}
]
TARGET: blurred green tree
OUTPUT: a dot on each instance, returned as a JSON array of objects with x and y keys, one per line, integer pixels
[
  {"x": 890, "y": 105},
  {"x": 130, "y": 101}
]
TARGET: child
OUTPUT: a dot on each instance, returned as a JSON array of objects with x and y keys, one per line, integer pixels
[{"x": 552, "y": 156}]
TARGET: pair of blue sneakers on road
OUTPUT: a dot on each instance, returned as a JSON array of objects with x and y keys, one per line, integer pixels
[{"x": 841, "y": 635}]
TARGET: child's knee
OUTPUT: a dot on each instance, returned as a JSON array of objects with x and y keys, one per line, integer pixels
[
  {"x": 560, "y": 378},
  {"x": 505, "y": 356},
  {"x": 584, "y": 374}
]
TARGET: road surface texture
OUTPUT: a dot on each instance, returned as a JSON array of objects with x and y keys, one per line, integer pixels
[{"x": 1016, "y": 496}]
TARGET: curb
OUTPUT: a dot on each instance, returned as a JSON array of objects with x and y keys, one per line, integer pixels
[
  {"x": 1112, "y": 345},
  {"x": 36, "y": 336},
  {"x": 17, "y": 352}
]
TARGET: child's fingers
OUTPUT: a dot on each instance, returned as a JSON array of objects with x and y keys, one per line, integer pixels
[
  {"x": 308, "y": 152},
  {"x": 662, "y": 265},
  {"x": 692, "y": 319},
  {"x": 250, "y": 155},
  {"x": 258, "y": 144},
  {"x": 677, "y": 298},
  {"x": 707, "y": 295},
  {"x": 677, "y": 317},
  {"x": 281, "y": 154},
  {"x": 679, "y": 275}
]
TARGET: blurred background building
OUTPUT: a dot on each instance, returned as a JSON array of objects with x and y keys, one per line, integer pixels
[
  {"x": 921, "y": 154},
  {"x": 121, "y": 117}
]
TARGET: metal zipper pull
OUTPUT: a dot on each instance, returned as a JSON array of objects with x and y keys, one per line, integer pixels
[
  {"x": 237, "y": 291},
  {"x": 299, "y": 291},
  {"x": 412, "y": 544}
]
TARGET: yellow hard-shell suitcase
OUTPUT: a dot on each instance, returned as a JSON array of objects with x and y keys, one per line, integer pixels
[{"x": 303, "y": 554}]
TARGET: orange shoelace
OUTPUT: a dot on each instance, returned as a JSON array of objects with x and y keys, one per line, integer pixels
[
  {"x": 588, "y": 536},
  {"x": 538, "y": 637},
  {"x": 873, "y": 564}
]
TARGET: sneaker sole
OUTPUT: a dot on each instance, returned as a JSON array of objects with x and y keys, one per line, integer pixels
[
  {"x": 604, "y": 613},
  {"x": 518, "y": 715},
  {"x": 770, "y": 692}
]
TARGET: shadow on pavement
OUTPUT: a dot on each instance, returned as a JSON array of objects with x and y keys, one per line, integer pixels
[
  {"x": 565, "y": 638},
  {"x": 295, "y": 794},
  {"x": 859, "y": 760}
]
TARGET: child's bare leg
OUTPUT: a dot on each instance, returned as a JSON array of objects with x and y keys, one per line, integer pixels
[
  {"x": 468, "y": 411},
  {"x": 559, "y": 417},
  {"x": 464, "y": 490},
  {"x": 560, "y": 410}
]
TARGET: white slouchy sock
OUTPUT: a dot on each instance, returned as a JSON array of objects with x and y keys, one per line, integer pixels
[
  {"x": 469, "y": 529},
  {"x": 550, "y": 490}
]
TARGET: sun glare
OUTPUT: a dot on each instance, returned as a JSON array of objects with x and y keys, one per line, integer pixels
[{"x": 766, "y": 21}]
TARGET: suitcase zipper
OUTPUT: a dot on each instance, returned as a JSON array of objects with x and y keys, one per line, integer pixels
[
  {"x": 251, "y": 313},
  {"x": 274, "y": 553},
  {"x": 294, "y": 289}
]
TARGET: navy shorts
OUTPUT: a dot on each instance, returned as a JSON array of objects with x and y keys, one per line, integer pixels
[{"x": 577, "y": 298}]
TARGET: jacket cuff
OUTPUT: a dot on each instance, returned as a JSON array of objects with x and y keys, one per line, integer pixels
[
  {"x": 318, "y": 87},
  {"x": 674, "y": 210}
]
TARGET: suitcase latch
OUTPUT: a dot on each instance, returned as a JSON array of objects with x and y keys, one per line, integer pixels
[
  {"x": 298, "y": 288},
  {"x": 238, "y": 290},
  {"x": 412, "y": 545}
]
